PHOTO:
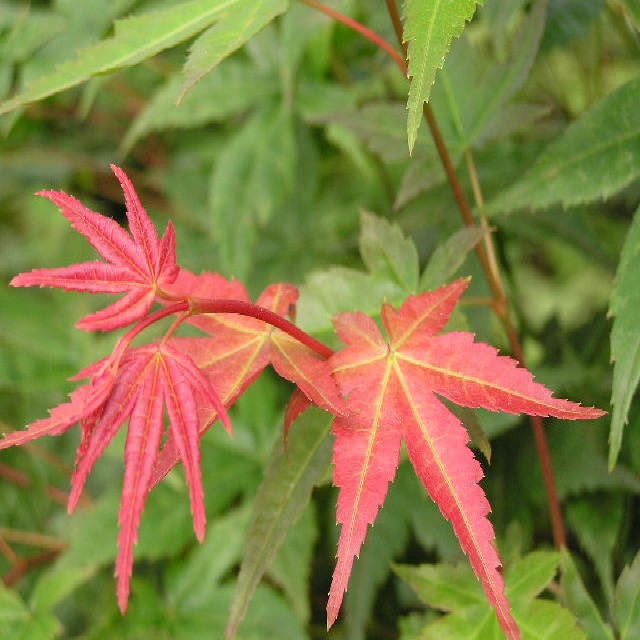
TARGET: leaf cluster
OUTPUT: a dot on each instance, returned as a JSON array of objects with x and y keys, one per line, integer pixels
[{"x": 267, "y": 133}]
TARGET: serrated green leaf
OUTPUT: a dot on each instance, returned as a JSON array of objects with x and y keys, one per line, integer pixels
[
  {"x": 448, "y": 257},
  {"x": 545, "y": 620},
  {"x": 241, "y": 22},
  {"x": 429, "y": 28},
  {"x": 595, "y": 157},
  {"x": 136, "y": 38},
  {"x": 625, "y": 336},
  {"x": 627, "y": 601},
  {"x": 338, "y": 289},
  {"x": 577, "y": 599},
  {"x": 452, "y": 589},
  {"x": 387, "y": 252},
  {"x": 285, "y": 492},
  {"x": 538, "y": 620}
]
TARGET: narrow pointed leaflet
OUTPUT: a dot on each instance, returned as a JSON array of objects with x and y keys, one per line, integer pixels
[
  {"x": 392, "y": 388},
  {"x": 137, "y": 264}
]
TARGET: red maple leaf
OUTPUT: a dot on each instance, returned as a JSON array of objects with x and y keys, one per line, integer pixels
[
  {"x": 392, "y": 387},
  {"x": 239, "y": 348},
  {"x": 148, "y": 379},
  {"x": 138, "y": 264}
]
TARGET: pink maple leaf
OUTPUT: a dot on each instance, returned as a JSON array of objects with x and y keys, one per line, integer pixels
[
  {"x": 137, "y": 265},
  {"x": 392, "y": 388}
]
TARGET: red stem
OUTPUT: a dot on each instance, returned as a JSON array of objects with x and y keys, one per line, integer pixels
[
  {"x": 195, "y": 306},
  {"x": 372, "y": 36},
  {"x": 202, "y": 305}
]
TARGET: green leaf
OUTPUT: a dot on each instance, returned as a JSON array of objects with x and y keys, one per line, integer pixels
[
  {"x": 445, "y": 587},
  {"x": 238, "y": 25},
  {"x": 17, "y": 622},
  {"x": 449, "y": 257},
  {"x": 577, "y": 599},
  {"x": 429, "y": 28},
  {"x": 531, "y": 574},
  {"x": 625, "y": 336},
  {"x": 627, "y": 601},
  {"x": 338, "y": 289},
  {"x": 455, "y": 589},
  {"x": 254, "y": 174},
  {"x": 200, "y": 574},
  {"x": 387, "y": 252},
  {"x": 284, "y": 494},
  {"x": 135, "y": 39},
  {"x": 474, "y": 95},
  {"x": 291, "y": 570},
  {"x": 545, "y": 620},
  {"x": 56, "y": 584},
  {"x": 595, "y": 157}
]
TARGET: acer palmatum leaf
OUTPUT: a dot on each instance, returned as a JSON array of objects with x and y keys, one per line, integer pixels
[
  {"x": 391, "y": 386},
  {"x": 137, "y": 264},
  {"x": 135, "y": 385},
  {"x": 241, "y": 347}
]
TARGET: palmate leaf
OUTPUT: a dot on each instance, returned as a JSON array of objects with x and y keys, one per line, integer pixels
[
  {"x": 625, "y": 336},
  {"x": 135, "y": 39},
  {"x": 391, "y": 388},
  {"x": 595, "y": 157},
  {"x": 454, "y": 590},
  {"x": 429, "y": 28},
  {"x": 148, "y": 378},
  {"x": 137, "y": 264}
]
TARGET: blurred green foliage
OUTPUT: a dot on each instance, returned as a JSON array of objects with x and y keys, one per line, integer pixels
[{"x": 268, "y": 166}]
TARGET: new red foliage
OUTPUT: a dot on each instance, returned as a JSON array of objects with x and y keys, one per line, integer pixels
[
  {"x": 139, "y": 264},
  {"x": 383, "y": 392},
  {"x": 391, "y": 387}
]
